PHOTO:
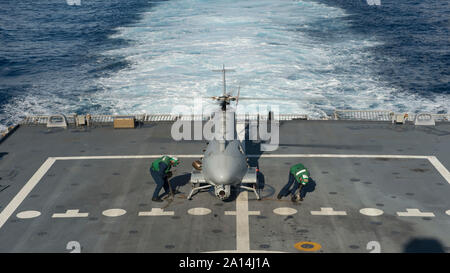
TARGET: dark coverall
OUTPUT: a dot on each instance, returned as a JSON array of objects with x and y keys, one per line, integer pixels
[
  {"x": 297, "y": 173},
  {"x": 160, "y": 178},
  {"x": 285, "y": 191}
]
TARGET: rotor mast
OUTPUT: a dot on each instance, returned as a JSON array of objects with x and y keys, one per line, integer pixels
[
  {"x": 223, "y": 70},
  {"x": 224, "y": 101}
]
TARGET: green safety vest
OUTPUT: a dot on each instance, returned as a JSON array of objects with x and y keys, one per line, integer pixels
[
  {"x": 299, "y": 171},
  {"x": 166, "y": 160}
]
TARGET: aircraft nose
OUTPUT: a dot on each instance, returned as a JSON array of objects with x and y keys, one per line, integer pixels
[
  {"x": 223, "y": 176},
  {"x": 224, "y": 168},
  {"x": 221, "y": 170}
]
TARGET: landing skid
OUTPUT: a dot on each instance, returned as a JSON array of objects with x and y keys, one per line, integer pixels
[
  {"x": 198, "y": 182},
  {"x": 196, "y": 187},
  {"x": 251, "y": 189}
]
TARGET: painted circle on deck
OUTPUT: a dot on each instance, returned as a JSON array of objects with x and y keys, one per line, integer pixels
[
  {"x": 27, "y": 214},
  {"x": 307, "y": 246},
  {"x": 114, "y": 212},
  {"x": 285, "y": 211},
  {"x": 371, "y": 211},
  {"x": 447, "y": 212},
  {"x": 199, "y": 211}
]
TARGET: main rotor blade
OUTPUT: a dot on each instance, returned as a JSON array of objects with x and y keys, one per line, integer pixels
[
  {"x": 257, "y": 98},
  {"x": 265, "y": 98}
]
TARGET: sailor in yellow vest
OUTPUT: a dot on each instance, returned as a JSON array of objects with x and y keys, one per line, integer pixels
[
  {"x": 298, "y": 175},
  {"x": 160, "y": 171}
]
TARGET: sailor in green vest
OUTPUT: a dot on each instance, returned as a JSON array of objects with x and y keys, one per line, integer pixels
[
  {"x": 299, "y": 176},
  {"x": 160, "y": 171}
]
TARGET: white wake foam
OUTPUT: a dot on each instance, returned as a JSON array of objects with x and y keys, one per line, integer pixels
[
  {"x": 269, "y": 43},
  {"x": 300, "y": 52}
]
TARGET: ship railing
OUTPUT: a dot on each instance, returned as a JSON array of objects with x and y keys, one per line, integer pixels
[
  {"x": 159, "y": 117},
  {"x": 381, "y": 115},
  {"x": 34, "y": 120},
  {"x": 440, "y": 117},
  {"x": 363, "y": 115},
  {"x": 374, "y": 115},
  {"x": 255, "y": 117}
]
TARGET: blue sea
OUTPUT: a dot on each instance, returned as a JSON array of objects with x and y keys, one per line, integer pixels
[{"x": 140, "y": 56}]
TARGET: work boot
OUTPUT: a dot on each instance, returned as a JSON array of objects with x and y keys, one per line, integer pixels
[
  {"x": 157, "y": 200},
  {"x": 293, "y": 198},
  {"x": 279, "y": 196},
  {"x": 301, "y": 198}
]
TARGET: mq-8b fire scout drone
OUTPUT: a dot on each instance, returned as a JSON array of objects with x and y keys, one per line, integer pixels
[{"x": 224, "y": 163}]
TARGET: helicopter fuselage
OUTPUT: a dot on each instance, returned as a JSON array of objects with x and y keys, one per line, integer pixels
[{"x": 226, "y": 167}]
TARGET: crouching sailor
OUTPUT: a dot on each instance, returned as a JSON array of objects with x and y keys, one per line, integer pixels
[
  {"x": 299, "y": 176},
  {"x": 160, "y": 171}
]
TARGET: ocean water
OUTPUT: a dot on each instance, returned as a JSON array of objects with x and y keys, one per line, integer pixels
[{"x": 135, "y": 56}]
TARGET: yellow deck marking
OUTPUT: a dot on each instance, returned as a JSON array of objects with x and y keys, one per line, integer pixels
[{"x": 301, "y": 246}]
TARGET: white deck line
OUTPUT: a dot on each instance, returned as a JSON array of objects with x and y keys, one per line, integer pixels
[
  {"x": 341, "y": 156},
  {"x": 262, "y": 156},
  {"x": 242, "y": 222},
  {"x": 121, "y": 157},
  {"x": 156, "y": 212},
  {"x": 415, "y": 213},
  {"x": 328, "y": 211},
  {"x": 441, "y": 168},
  {"x": 71, "y": 213},
  {"x": 32, "y": 182},
  {"x": 23, "y": 193},
  {"x": 433, "y": 159}
]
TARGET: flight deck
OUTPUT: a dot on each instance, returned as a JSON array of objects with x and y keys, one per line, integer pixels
[{"x": 376, "y": 187}]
